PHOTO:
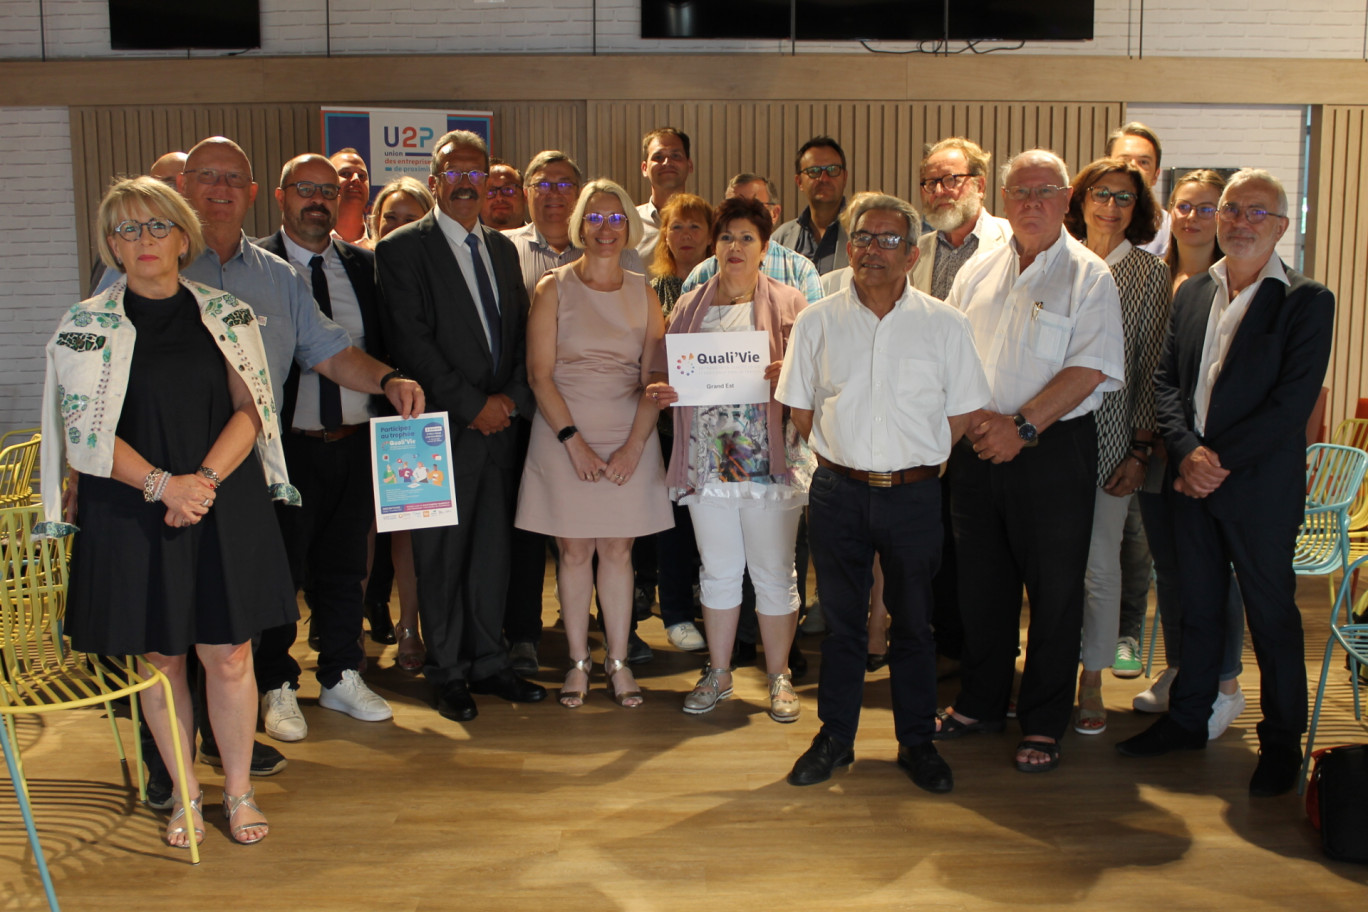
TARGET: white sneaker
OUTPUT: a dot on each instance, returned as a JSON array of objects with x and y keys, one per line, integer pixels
[
  {"x": 281, "y": 716},
  {"x": 351, "y": 696},
  {"x": 1156, "y": 698},
  {"x": 1224, "y": 711},
  {"x": 813, "y": 622},
  {"x": 685, "y": 636}
]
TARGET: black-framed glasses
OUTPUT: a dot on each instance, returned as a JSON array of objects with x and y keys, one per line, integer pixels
[
  {"x": 1042, "y": 193},
  {"x": 237, "y": 179},
  {"x": 454, "y": 177},
  {"x": 1252, "y": 214},
  {"x": 507, "y": 190},
  {"x": 1123, "y": 198},
  {"x": 131, "y": 230},
  {"x": 816, "y": 171},
  {"x": 307, "y": 189},
  {"x": 617, "y": 221},
  {"x": 949, "y": 182},
  {"x": 1204, "y": 211},
  {"x": 544, "y": 186},
  {"x": 887, "y": 240}
]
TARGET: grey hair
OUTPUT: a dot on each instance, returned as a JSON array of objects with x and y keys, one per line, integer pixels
[
  {"x": 871, "y": 200},
  {"x": 1257, "y": 175},
  {"x": 1041, "y": 158},
  {"x": 455, "y": 138},
  {"x": 549, "y": 157}
]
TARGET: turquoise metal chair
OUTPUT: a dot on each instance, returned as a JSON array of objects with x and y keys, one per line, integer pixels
[
  {"x": 1353, "y": 637},
  {"x": 1334, "y": 474}
]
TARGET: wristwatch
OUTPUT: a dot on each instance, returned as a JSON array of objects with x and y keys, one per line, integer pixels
[{"x": 1025, "y": 430}]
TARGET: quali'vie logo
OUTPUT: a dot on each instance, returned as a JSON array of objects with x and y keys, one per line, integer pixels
[{"x": 686, "y": 365}]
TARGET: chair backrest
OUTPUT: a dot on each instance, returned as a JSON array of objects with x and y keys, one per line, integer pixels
[
  {"x": 1354, "y": 432},
  {"x": 1334, "y": 475},
  {"x": 17, "y": 463},
  {"x": 32, "y": 592},
  {"x": 18, "y": 435}
]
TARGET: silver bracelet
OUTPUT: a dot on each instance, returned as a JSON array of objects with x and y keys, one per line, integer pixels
[
  {"x": 151, "y": 494},
  {"x": 209, "y": 474},
  {"x": 161, "y": 486}
]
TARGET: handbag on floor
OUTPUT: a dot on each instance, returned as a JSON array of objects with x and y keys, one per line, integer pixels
[{"x": 1337, "y": 801}]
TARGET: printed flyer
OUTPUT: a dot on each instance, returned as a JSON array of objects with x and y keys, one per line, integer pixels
[
  {"x": 719, "y": 368},
  {"x": 410, "y": 460}
]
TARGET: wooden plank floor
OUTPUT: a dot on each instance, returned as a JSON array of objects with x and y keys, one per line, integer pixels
[{"x": 534, "y": 807}]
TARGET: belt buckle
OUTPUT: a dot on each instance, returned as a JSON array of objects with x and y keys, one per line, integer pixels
[
  {"x": 329, "y": 436},
  {"x": 880, "y": 479}
]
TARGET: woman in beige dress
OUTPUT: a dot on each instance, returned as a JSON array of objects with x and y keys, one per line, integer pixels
[{"x": 594, "y": 476}]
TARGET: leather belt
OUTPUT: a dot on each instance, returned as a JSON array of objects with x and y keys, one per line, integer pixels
[
  {"x": 330, "y": 435},
  {"x": 880, "y": 479}
]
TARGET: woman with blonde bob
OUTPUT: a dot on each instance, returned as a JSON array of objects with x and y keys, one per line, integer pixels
[
  {"x": 158, "y": 393},
  {"x": 402, "y": 200},
  {"x": 593, "y": 476}
]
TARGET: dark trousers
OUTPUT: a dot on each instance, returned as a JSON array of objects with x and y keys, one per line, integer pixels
[
  {"x": 677, "y": 568},
  {"x": 945, "y": 613},
  {"x": 325, "y": 538},
  {"x": 1025, "y": 522},
  {"x": 850, "y": 523},
  {"x": 1261, "y": 552},
  {"x": 527, "y": 565},
  {"x": 463, "y": 579}
]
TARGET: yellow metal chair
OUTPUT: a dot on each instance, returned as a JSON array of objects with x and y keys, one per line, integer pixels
[
  {"x": 17, "y": 464},
  {"x": 40, "y": 673}
]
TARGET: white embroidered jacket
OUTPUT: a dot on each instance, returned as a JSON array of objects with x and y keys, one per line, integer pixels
[{"x": 88, "y": 359}]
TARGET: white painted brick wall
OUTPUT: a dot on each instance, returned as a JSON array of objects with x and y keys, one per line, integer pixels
[
  {"x": 1236, "y": 136},
  {"x": 38, "y": 270},
  {"x": 1218, "y": 28}
]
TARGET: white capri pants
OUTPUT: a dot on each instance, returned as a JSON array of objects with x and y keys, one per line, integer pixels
[
  {"x": 1102, "y": 583},
  {"x": 760, "y": 535}
]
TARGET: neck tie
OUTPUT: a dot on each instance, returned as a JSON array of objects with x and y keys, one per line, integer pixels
[
  {"x": 491, "y": 310},
  {"x": 329, "y": 396}
]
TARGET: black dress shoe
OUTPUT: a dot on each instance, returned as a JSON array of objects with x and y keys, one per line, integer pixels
[
  {"x": 381, "y": 624},
  {"x": 160, "y": 794},
  {"x": 817, "y": 762},
  {"x": 510, "y": 687},
  {"x": 1163, "y": 736},
  {"x": 927, "y": 767},
  {"x": 875, "y": 660},
  {"x": 266, "y": 760},
  {"x": 1278, "y": 770},
  {"x": 454, "y": 702},
  {"x": 314, "y": 642},
  {"x": 638, "y": 650},
  {"x": 798, "y": 663}
]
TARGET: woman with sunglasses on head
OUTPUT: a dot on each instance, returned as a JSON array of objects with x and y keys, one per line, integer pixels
[
  {"x": 157, "y": 391},
  {"x": 594, "y": 477},
  {"x": 1113, "y": 212},
  {"x": 1193, "y": 249}
]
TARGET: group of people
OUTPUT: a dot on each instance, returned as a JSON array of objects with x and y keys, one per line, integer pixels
[{"x": 957, "y": 416}]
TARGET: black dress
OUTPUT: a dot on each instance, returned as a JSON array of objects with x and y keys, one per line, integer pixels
[{"x": 139, "y": 585}]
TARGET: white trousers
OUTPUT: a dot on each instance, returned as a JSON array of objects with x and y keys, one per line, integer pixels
[
  {"x": 1102, "y": 583},
  {"x": 732, "y": 538}
]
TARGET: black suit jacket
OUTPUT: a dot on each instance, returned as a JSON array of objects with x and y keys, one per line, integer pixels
[
  {"x": 1262, "y": 399},
  {"x": 435, "y": 335},
  {"x": 359, "y": 264}
]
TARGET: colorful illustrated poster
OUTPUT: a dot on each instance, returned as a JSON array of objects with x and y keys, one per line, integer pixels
[
  {"x": 719, "y": 368},
  {"x": 411, "y": 477}
]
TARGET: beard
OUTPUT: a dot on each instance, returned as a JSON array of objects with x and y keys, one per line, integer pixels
[{"x": 959, "y": 212}]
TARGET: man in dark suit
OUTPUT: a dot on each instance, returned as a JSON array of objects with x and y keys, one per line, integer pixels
[
  {"x": 455, "y": 311},
  {"x": 1243, "y": 363},
  {"x": 327, "y": 451}
]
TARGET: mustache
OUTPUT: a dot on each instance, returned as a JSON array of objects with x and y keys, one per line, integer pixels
[
  {"x": 316, "y": 208},
  {"x": 463, "y": 193}
]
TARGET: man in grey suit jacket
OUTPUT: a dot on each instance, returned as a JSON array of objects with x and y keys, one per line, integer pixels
[
  {"x": 1246, "y": 353},
  {"x": 455, "y": 313}
]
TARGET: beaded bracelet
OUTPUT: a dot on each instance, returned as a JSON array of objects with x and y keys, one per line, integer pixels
[
  {"x": 162, "y": 482},
  {"x": 209, "y": 474}
]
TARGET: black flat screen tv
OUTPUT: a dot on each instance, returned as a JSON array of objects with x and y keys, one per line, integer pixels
[
  {"x": 142, "y": 25},
  {"x": 715, "y": 18}
]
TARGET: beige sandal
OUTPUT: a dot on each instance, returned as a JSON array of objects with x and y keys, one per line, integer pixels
[
  {"x": 197, "y": 808},
  {"x": 784, "y": 705},
  {"x": 411, "y": 653},
  {"x": 574, "y": 699},
  {"x": 628, "y": 699},
  {"x": 234, "y": 803}
]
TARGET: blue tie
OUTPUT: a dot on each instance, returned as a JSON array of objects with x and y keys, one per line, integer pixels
[{"x": 491, "y": 309}]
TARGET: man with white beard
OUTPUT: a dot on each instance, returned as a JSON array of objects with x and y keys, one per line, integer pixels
[{"x": 954, "y": 177}]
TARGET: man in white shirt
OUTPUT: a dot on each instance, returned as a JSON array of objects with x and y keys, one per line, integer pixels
[
  {"x": 882, "y": 379},
  {"x": 1242, "y": 366},
  {"x": 1047, "y": 321},
  {"x": 666, "y": 163}
]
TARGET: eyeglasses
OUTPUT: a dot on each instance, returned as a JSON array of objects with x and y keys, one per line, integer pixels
[
  {"x": 1252, "y": 214},
  {"x": 169, "y": 180},
  {"x": 887, "y": 241},
  {"x": 508, "y": 190},
  {"x": 454, "y": 177},
  {"x": 307, "y": 189},
  {"x": 1123, "y": 198},
  {"x": 212, "y": 176},
  {"x": 1042, "y": 193},
  {"x": 617, "y": 221},
  {"x": 548, "y": 186},
  {"x": 1204, "y": 211},
  {"x": 131, "y": 230},
  {"x": 949, "y": 182},
  {"x": 816, "y": 171}
]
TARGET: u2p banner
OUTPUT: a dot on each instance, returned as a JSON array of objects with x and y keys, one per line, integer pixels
[{"x": 397, "y": 141}]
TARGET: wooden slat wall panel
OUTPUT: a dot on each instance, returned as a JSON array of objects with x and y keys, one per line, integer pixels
[
  {"x": 109, "y": 142},
  {"x": 1337, "y": 238}
]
